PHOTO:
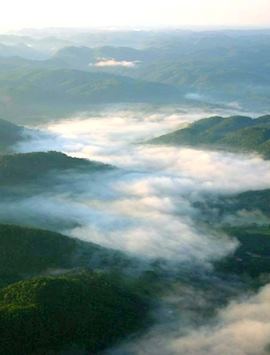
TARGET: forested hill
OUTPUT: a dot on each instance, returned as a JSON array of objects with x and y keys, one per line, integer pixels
[
  {"x": 10, "y": 134},
  {"x": 27, "y": 252},
  {"x": 59, "y": 294},
  {"x": 33, "y": 167},
  {"x": 23, "y": 85},
  {"x": 236, "y": 133}
]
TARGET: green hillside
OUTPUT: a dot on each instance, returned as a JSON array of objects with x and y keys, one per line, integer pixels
[
  {"x": 215, "y": 65},
  {"x": 35, "y": 167},
  {"x": 249, "y": 207},
  {"x": 236, "y": 133},
  {"x": 74, "y": 312},
  {"x": 252, "y": 257},
  {"x": 58, "y": 86},
  {"x": 71, "y": 309},
  {"x": 27, "y": 252}
]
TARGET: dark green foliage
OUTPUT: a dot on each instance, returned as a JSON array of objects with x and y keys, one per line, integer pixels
[
  {"x": 245, "y": 217},
  {"x": 252, "y": 257},
  {"x": 88, "y": 310},
  {"x": 251, "y": 200},
  {"x": 27, "y": 252},
  {"x": 236, "y": 133},
  {"x": 33, "y": 167},
  {"x": 215, "y": 208}
]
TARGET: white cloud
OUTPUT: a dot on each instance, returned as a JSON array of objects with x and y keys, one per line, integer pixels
[
  {"x": 241, "y": 328},
  {"x": 146, "y": 208},
  {"x": 102, "y": 63}
]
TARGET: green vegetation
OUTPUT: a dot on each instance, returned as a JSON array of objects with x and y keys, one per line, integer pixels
[
  {"x": 25, "y": 85},
  {"x": 250, "y": 200},
  {"x": 236, "y": 133},
  {"x": 215, "y": 66},
  {"x": 215, "y": 209},
  {"x": 252, "y": 257},
  {"x": 33, "y": 167},
  {"x": 76, "y": 310},
  {"x": 27, "y": 252},
  {"x": 87, "y": 311},
  {"x": 39, "y": 91}
]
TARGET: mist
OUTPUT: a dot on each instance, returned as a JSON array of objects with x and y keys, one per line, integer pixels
[
  {"x": 146, "y": 208},
  {"x": 104, "y": 62},
  {"x": 240, "y": 328}
]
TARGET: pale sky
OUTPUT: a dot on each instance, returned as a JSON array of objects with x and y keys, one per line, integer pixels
[{"x": 17, "y": 14}]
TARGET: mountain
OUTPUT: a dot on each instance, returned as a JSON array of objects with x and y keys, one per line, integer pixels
[
  {"x": 42, "y": 87},
  {"x": 52, "y": 300},
  {"x": 236, "y": 133},
  {"x": 215, "y": 65},
  {"x": 28, "y": 252},
  {"x": 251, "y": 258},
  {"x": 248, "y": 208},
  {"x": 34, "y": 167},
  {"x": 19, "y": 50},
  {"x": 74, "y": 313},
  {"x": 249, "y": 201},
  {"x": 212, "y": 66},
  {"x": 10, "y": 134},
  {"x": 32, "y": 93},
  {"x": 34, "y": 178},
  {"x": 85, "y": 58}
]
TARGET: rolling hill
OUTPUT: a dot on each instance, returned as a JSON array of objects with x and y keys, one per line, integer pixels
[
  {"x": 51, "y": 299},
  {"x": 236, "y": 133},
  {"x": 79, "y": 87},
  {"x": 28, "y": 252},
  {"x": 10, "y": 134},
  {"x": 252, "y": 258},
  {"x": 215, "y": 65},
  {"x": 77, "y": 312},
  {"x": 35, "y": 167}
]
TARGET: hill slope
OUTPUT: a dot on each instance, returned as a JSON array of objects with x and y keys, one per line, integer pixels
[
  {"x": 35, "y": 167},
  {"x": 85, "y": 312},
  {"x": 252, "y": 257},
  {"x": 10, "y": 134},
  {"x": 27, "y": 252},
  {"x": 76, "y": 310},
  {"x": 69, "y": 86},
  {"x": 236, "y": 133}
]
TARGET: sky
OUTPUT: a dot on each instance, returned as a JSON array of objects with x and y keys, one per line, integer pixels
[{"x": 16, "y": 14}]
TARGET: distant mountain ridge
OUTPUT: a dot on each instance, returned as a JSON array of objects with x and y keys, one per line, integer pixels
[
  {"x": 74, "y": 86},
  {"x": 230, "y": 66}
]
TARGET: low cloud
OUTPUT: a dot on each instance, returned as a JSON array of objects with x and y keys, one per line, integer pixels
[
  {"x": 104, "y": 62},
  {"x": 146, "y": 207},
  {"x": 241, "y": 328}
]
